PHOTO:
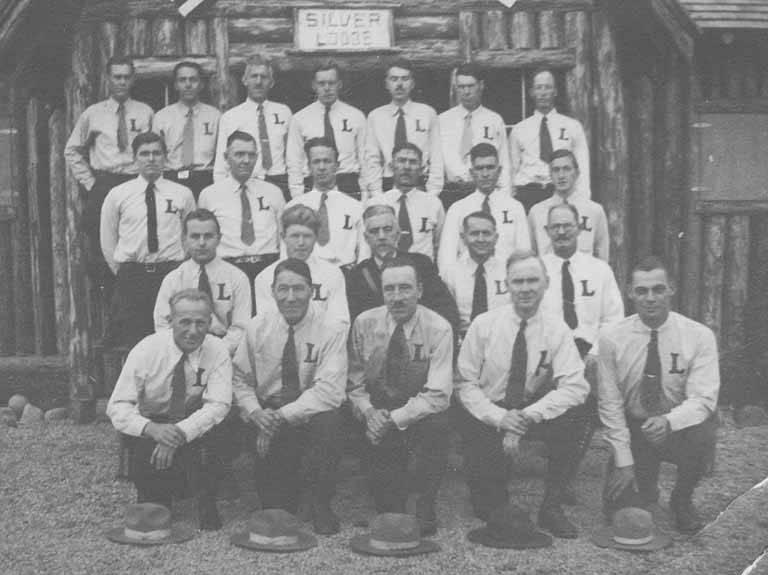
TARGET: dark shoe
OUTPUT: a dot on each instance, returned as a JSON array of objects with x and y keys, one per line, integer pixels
[
  {"x": 687, "y": 519},
  {"x": 324, "y": 520},
  {"x": 208, "y": 514},
  {"x": 553, "y": 519}
]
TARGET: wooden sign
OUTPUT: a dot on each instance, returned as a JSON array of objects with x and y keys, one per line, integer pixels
[{"x": 343, "y": 30}]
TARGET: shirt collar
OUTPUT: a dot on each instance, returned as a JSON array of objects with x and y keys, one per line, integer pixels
[
  {"x": 114, "y": 104},
  {"x": 235, "y": 185},
  {"x": 329, "y": 192},
  {"x": 144, "y": 182},
  {"x": 640, "y": 327},
  {"x": 552, "y": 112},
  {"x": 334, "y": 106},
  {"x": 408, "y": 326},
  {"x": 464, "y": 111},
  {"x": 183, "y": 108},
  {"x": 406, "y": 107},
  {"x": 255, "y": 104}
]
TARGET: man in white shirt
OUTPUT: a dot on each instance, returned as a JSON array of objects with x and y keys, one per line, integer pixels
[
  {"x": 339, "y": 237},
  {"x": 532, "y": 141},
  {"x": 658, "y": 388},
  {"x": 141, "y": 240},
  {"x": 520, "y": 375},
  {"x": 173, "y": 391},
  {"x": 509, "y": 214},
  {"x": 465, "y": 125},
  {"x": 290, "y": 375},
  {"x": 420, "y": 215},
  {"x": 189, "y": 128},
  {"x": 265, "y": 120},
  {"x": 401, "y": 121},
  {"x": 336, "y": 121},
  {"x": 594, "y": 238},
  {"x": 400, "y": 384}
]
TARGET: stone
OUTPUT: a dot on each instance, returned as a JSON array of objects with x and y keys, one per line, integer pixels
[
  {"x": 17, "y": 404},
  {"x": 9, "y": 420},
  {"x": 31, "y": 415},
  {"x": 750, "y": 416},
  {"x": 7, "y": 411},
  {"x": 57, "y": 414}
]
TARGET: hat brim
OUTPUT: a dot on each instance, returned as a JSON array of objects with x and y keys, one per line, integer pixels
[
  {"x": 306, "y": 541},
  {"x": 362, "y": 544},
  {"x": 484, "y": 536},
  {"x": 604, "y": 538},
  {"x": 179, "y": 534}
]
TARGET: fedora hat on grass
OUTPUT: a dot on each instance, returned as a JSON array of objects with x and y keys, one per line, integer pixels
[
  {"x": 274, "y": 530},
  {"x": 632, "y": 529},
  {"x": 149, "y": 524},
  {"x": 509, "y": 527},
  {"x": 393, "y": 535}
]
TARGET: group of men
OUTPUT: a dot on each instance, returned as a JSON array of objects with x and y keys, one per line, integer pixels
[{"x": 282, "y": 268}]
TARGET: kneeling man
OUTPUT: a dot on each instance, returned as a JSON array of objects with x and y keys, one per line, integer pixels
[
  {"x": 658, "y": 387},
  {"x": 290, "y": 373},
  {"x": 400, "y": 383}
]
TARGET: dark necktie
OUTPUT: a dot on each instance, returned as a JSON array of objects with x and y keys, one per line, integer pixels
[
  {"x": 324, "y": 231},
  {"x": 480, "y": 295},
  {"x": 486, "y": 205},
  {"x": 327, "y": 126},
  {"x": 188, "y": 141},
  {"x": 466, "y": 136},
  {"x": 569, "y": 306},
  {"x": 515, "y": 394},
  {"x": 545, "y": 141},
  {"x": 404, "y": 222},
  {"x": 401, "y": 135},
  {"x": 246, "y": 222},
  {"x": 397, "y": 357},
  {"x": 651, "y": 393},
  {"x": 177, "y": 404},
  {"x": 149, "y": 199},
  {"x": 203, "y": 284},
  {"x": 266, "y": 151},
  {"x": 122, "y": 128},
  {"x": 290, "y": 370}
]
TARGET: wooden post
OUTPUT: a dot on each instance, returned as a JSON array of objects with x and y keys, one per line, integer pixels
[
  {"x": 136, "y": 34},
  {"x": 522, "y": 31},
  {"x": 641, "y": 137},
  {"x": 221, "y": 78},
  {"x": 735, "y": 366},
  {"x": 108, "y": 36},
  {"x": 58, "y": 171},
  {"x": 494, "y": 30},
  {"x": 469, "y": 34},
  {"x": 196, "y": 37},
  {"x": 755, "y": 324},
  {"x": 7, "y": 332},
  {"x": 714, "y": 268},
  {"x": 167, "y": 40},
  {"x": 549, "y": 29},
  {"x": 578, "y": 79}
]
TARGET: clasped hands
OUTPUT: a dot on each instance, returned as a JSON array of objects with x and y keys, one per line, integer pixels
[
  {"x": 268, "y": 422},
  {"x": 169, "y": 438},
  {"x": 378, "y": 422}
]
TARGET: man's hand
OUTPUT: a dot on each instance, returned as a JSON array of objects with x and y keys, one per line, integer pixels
[
  {"x": 620, "y": 479},
  {"x": 166, "y": 434},
  {"x": 378, "y": 423},
  {"x": 515, "y": 421},
  {"x": 162, "y": 457},
  {"x": 268, "y": 421},
  {"x": 656, "y": 429},
  {"x": 263, "y": 442}
]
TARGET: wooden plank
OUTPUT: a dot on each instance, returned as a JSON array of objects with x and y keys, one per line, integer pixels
[
  {"x": 445, "y": 26},
  {"x": 107, "y": 46},
  {"x": 691, "y": 281},
  {"x": 469, "y": 34},
  {"x": 195, "y": 37},
  {"x": 161, "y": 68},
  {"x": 549, "y": 29},
  {"x": 733, "y": 106},
  {"x": 522, "y": 31},
  {"x": 221, "y": 80},
  {"x": 578, "y": 80},
  {"x": 713, "y": 270},
  {"x": 167, "y": 39},
  {"x": 7, "y": 330},
  {"x": 706, "y": 207},
  {"x": 755, "y": 324},
  {"x": 558, "y": 59},
  {"x": 641, "y": 129},
  {"x": 35, "y": 294},
  {"x": 494, "y": 30},
  {"x": 57, "y": 168},
  {"x": 260, "y": 30},
  {"x": 136, "y": 34},
  {"x": 735, "y": 292}
]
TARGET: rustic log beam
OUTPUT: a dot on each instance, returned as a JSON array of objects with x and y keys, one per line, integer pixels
[
  {"x": 58, "y": 172},
  {"x": 196, "y": 37},
  {"x": 733, "y": 105},
  {"x": 136, "y": 34},
  {"x": 735, "y": 291},
  {"x": 469, "y": 34},
  {"x": 522, "y": 31},
  {"x": 641, "y": 131},
  {"x": 427, "y": 26},
  {"x": 167, "y": 39},
  {"x": 107, "y": 46},
  {"x": 578, "y": 80},
  {"x": 32, "y": 127},
  {"x": 713, "y": 270},
  {"x": 494, "y": 30},
  {"x": 162, "y": 67},
  {"x": 221, "y": 48},
  {"x": 260, "y": 30},
  {"x": 7, "y": 331},
  {"x": 549, "y": 29}
]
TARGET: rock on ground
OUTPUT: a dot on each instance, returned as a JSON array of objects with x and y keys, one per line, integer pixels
[
  {"x": 57, "y": 414},
  {"x": 31, "y": 415},
  {"x": 17, "y": 403},
  {"x": 8, "y": 420},
  {"x": 7, "y": 411}
]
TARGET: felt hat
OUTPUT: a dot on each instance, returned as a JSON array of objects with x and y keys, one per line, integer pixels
[
  {"x": 149, "y": 524},
  {"x": 510, "y": 527},
  {"x": 393, "y": 535},
  {"x": 632, "y": 529},
  {"x": 274, "y": 530}
]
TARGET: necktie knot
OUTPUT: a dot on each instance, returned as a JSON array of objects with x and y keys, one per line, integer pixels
[
  {"x": 654, "y": 336},
  {"x": 400, "y": 112},
  {"x": 190, "y": 112},
  {"x": 480, "y": 271}
]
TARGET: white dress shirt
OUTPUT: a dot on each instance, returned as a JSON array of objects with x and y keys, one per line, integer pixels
[
  {"x": 329, "y": 290},
  {"x": 422, "y": 128},
  {"x": 487, "y": 127},
  {"x": 460, "y": 281},
  {"x": 245, "y": 118},
  {"x": 124, "y": 222},
  {"x": 429, "y": 338},
  {"x": 597, "y": 296},
  {"x": 93, "y": 142},
  {"x": 566, "y": 133},
  {"x": 231, "y": 298},
  {"x": 690, "y": 376},
  {"x": 170, "y": 123},
  {"x": 511, "y": 225},
  {"x": 321, "y": 348},
  {"x": 345, "y": 225},
  {"x": 143, "y": 389},
  {"x": 486, "y": 357},
  {"x": 267, "y": 203},
  {"x": 349, "y": 128},
  {"x": 594, "y": 238},
  {"x": 425, "y": 213}
]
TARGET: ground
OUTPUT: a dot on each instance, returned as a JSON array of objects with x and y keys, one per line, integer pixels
[{"x": 58, "y": 495}]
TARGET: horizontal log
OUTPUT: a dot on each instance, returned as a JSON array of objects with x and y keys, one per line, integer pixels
[
  {"x": 733, "y": 105},
  {"x": 260, "y": 30},
  {"x": 709, "y": 207},
  {"x": 426, "y": 26},
  {"x": 163, "y": 67},
  {"x": 561, "y": 58}
]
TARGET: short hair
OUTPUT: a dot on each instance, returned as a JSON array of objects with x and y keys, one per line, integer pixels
[
  {"x": 320, "y": 142},
  {"x": 402, "y": 261},
  {"x": 300, "y": 215},
  {"x": 327, "y": 66},
  {"x": 240, "y": 136},
  {"x": 190, "y": 294},
  {"x": 483, "y": 150},
  {"x": 188, "y": 64},
  {"x": 401, "y": 63},
  {"x": 120, "y": 61},
  {"x": 294, "y": 265},
  {"x": 538, "y": 71},
  {"x": 470, "y": 70},
  {"x": 148, "y": 138},
  {"x": 522, "y": 255},
  {"x": 648, "y": 263},
  {"x": 377, "y": 210},
  {"x": 200, "y": 215},
  {"x": 564, "y": 205},
  {"x": 479, "y": 215},
  {"x": 563, "y": 153},
  {"x": 408, "y": 146},
  {"x": 259, "y": 60}
]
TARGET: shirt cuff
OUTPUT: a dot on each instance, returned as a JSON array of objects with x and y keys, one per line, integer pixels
[
  {"x": 400, "y": 418},
  {"x": 678, "y": 421},
  {"x": 136, "y": 426},
  {"x": 290, "y": 412},
  {"x": 622, "y": 456},
  {"x": 360, "y": 406},
  {"x": 495, "y": 415},
  {"x": 189, "y": 430},
  {"x": 248, "y": 406},
  {"x": 533, "y": 414}
]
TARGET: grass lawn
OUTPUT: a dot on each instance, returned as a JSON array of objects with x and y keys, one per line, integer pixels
[{"x": 58, "y": 495}]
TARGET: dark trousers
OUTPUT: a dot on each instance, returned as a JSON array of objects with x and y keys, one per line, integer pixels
[
  {"x": 196, "y": 180},
  {"x": 281, "y": 181},
  {"x": 453, "y": 192},
  {"x": 531, "y": 194},
  {"x": 300, "y": 457},
  {"x": 488, "y": 468},
  {"x": 252, "y": 269},
  {"x": 412, "y": 460},
  {"x": 133, "y": 302}
]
